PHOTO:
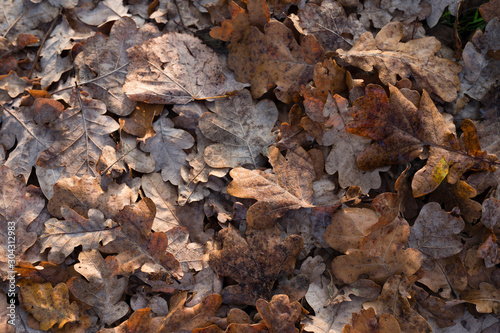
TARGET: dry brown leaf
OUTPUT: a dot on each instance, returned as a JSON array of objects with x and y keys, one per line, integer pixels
[
  {"x": 486, "y": 298},
  {"x": 330, "y": 25},
  {"x": 233, "y": 29},
  {"x": 381, "y": 12},
  {"x": 490, "y": 10},
  {"x": 349, "y": 227},
  {"x": 138, "y": 247},
  {"x": 367, "y": 322},
  {"x": 189, "y": 254},
  {"x": 19, "y": 207},
  {"x": 395, "y": 300},
  {"x": 173, "y": 69},
  {"x": 101, "y": 64},
  {"x": 168, "y": 213},
  {"x": 290, "y": 187},
  {"x": 85, "y": 131},
  {"x": 62, "y": 236},
  {"x": 166, "y": 147},
  {"x": 274, "y": 58},
  {"x": 417, "y": 58},
  {"x": 139, "y": 122},
  {"x": 345, "y": 148},
  {"x": 82, "y": 194},
  {"x": 25, "y": 137},
  {"x": 383, "y": 256},
  {"x": 49, "y": 305},
  {"x": 242, "y": 129},
  {"x": 392, "y": 123},
  {"x": 435, "y": 233},
  {"x": 280, "y": 315},
  {"x": 104, "y": 289},
  {"x": 255, "y": 262}
]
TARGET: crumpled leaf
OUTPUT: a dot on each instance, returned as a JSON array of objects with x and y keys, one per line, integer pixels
[
  {"x": 486, "y": 298},
  {"x": 232, "y": 29},
  {"x": 139, "y": 122},
  {"x": 173, "y": 69},
  {"x": 434, "y": 233},
  {"x": 280, "y": 315},
  {"x": 62, "y": 236},
  {"x": 85, "y": 131},
  {"x": 82, "y": 194},
  {"x": 103, "y": 290},
  {"x": 394, "y": 300},
  {"x": 274, "y": 58},
  {"x": 189, "y": 254},
  {"x": 242, "y": 129},
  {"x": 255, "y": 262},
  {"x": 402, "y": 130},
  {"x": 345, "y": 148},
  {"x": 417, "y": 58},
  {"x": 19, "y": 207},
  {"x": 168, "y": 213},
  {"x": 49, "y": 305},
  {"x": 103, "y": 62},
  {"x": 367, "y": 322},
  {"x": 166, "y": 147},
  {"x": 137, "y": 246},
  {"x": 330, "y": 25},
  {"x": 20, "y": 131},
  {"x": 290, "y": 187},
  {"x": 383, "y": 257}
]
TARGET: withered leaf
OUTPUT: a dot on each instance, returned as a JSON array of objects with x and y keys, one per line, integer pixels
[
  {"x": 49, "y": 305},
  {"x": 349, "y": 226},
  {"x": 290, "y": 187},
  {"x": 486, "y": 298},
  {"x": 434, "y": 232},
  {"x": 166, "y": 147},
  {"x": 382, "y": 257},
  {"x": 255, "y": 262},
  {"x": 401, "y": 131},
  {"x": 395, "y": 300},
  {"x": 366, "y": 321},
  {"x": 330, "y": 25},
  {"x": 274, "y": 58},
  {"x": 102, "y": 63},
  {"x": 241, "y": 128},
  {"x": 20, "y": 132},
  {"x": 85, "y": 132},
  {"x": 137, "y": 246},
  {"x": 62, "y": 236},
  {"x": 173, "y": 69},
  {"x": 19, "y": 207},
  {"x": 391, "y": 58},
  {"x": 84, "y": 193},
  {"x": 280, "y": 315},
  {"x": 103, "y": 290}
]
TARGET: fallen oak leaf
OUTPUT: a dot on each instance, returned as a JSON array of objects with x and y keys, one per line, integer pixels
[
  {"x": 381, "y": 256},
  {"x": 280, "y": 315},
  {"x": 401, "y": 130},
  {"x": 391, "y": 58},
  {"x": 290, "y": 187},
  {"x": 367, "y": 322},
  {"x": 274, "y": 57},
  {"x": 173, "y": 69},
  {"x": 255, "y": 262},
  {"x": 486, "y": 298},
  {"x": 85, "y": 131},
  {"x": 242, "y": 129},
  {"x": 103, "y": 290},
  {"x": 49, "y": 305}
]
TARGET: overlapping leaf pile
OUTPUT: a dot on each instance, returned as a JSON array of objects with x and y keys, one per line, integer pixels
[{"x": 250, "y": 166}]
